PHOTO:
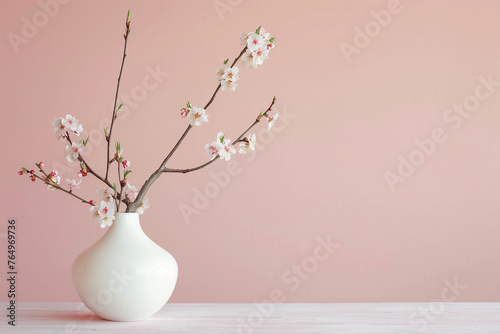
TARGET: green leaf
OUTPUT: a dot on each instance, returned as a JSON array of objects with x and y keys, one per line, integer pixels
[
  {"x": 258, "y": 30},
  {"x": 121, "y": 105},
  {"x": 81, "y": 165},
  {"x": 24, "y": 169},
  {"x": 106, "y": 131},
  {"x": 274, "y": 99},
  {"x": 225, "y": 61},
  {"x": 272, "y": 39},
  {"x": 188, "y": 105},
  {"x": 114, "y": 187},
  {"x": 128, "y": 15},
  {"x": 127, "y": 173},
  {"x": 222, "y": 139},
  {"x": 117, "y": 146},
  {"x": 84, "y": 142}
]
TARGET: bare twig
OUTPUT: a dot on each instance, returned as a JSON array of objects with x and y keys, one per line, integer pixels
[
  {"x": 188, "y": 170},
  {"x": 120, "y": 194},
  {"x": 108, "y": 137}
]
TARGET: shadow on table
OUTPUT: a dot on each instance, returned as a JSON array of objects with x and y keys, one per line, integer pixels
[{"x": 78, "y": 316}]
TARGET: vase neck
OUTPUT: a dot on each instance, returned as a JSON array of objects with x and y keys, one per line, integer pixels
[{"x": 126, "y": 223}]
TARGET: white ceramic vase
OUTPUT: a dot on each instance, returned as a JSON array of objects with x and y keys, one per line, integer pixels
[{"x": 125, "y": 276}]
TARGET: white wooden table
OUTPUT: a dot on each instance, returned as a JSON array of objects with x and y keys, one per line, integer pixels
[{"x": 278, "y": 318}]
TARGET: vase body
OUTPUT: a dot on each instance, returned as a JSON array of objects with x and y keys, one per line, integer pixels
[{"x": 124, "y": 276}]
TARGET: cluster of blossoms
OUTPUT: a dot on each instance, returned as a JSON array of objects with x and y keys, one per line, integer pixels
[
  {"x": 63, "y": 126},
  {"x": 228, "y": 76},
  {"x": 220, "y": 148},
  {"x": 258, "y": 43},
  {"x": 104, "y": 213}
]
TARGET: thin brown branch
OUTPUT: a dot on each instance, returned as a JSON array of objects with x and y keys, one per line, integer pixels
[
  {"x": 164, "y": 163},
  {"x": 120, "y": 194},
  {"x": 60, "y": 188},
  {"x": 188, "y": 170},
  {"x": 108, "y": 137}
]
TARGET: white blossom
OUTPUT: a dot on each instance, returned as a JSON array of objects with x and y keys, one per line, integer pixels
[
  {"x": 228, "y": 85},
  {"x": 59, "y": 128},
  {"x": 213, "y": 149},
  {"x": 231, "y": 73},
  {"x": 72, "y": 152},
  {"x": 197, "y": 116},
  {"x": 104, "y": 214},
  {"x": 106, "y": 194},
  {"x": 73, "y": 184},
  {"x": 53, "y": 179},
  {"x": 129, "y": 190},
  {"x": 221, "y": 71},
  {"x": 271, "y": 121},
  {"x": 143, "y": 206},
  {"x": 244, "y": 38},
  {"x": 255, "y": 42},
  {"x": 248, "y": 144}
]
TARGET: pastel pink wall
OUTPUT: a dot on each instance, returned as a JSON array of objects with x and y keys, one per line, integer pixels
[{"x": 321, "y": 174}]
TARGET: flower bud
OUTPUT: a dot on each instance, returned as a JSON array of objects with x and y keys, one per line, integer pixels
[
  {"x": 20, "y": 172},
  {"x": 184, "y": 112}
]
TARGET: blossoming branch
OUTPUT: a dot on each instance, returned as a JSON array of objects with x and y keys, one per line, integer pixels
[{"x": 257, "y": 45}]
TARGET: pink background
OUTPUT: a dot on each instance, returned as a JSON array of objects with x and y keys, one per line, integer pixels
[{"x": 321, "y": 174}]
